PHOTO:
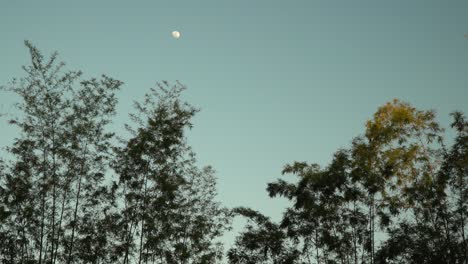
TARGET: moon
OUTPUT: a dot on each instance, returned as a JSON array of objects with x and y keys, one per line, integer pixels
[{"x": 176, "y": 34}]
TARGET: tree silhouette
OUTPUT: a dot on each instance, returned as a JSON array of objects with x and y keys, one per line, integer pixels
[
  {"x": 59, "y": 160},
  {"x": 436, "y": 234},
  {"x": 59, "y": 200},
  {"x": 262, "y": 242},
  {"x": 70, "y": 192},
  {"x": 169, "y": 213},
  {"x": 397, "y": 179}
]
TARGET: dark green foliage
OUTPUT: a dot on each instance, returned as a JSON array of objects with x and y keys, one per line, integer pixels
[
  {"x": 58, "y": 200},
  {"x": 59, "y": 159},
  {"x": 169, "y": 215},
  {"x": 70, "y": 194},
  {"x": 262, "y": 242},
  {"x": 438, "y": 232},
  {"x": 326, "y": 220},
  {"x": 397, "y": 180},
  {"x": 324, "y": 224}
]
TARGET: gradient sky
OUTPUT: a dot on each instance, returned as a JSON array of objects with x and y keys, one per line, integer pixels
[{"x": 277, "y": 81}]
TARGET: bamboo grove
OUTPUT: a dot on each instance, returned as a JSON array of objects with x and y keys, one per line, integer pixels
[{"x": 74, "y": 191}]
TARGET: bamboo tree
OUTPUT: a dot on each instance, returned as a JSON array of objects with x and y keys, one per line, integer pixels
[
  {"x": 454, "y": 172},
  {"x": 58, "y": 112},
  {"x": 262, "y": 242},
  {"x": 169, "y": 213}
]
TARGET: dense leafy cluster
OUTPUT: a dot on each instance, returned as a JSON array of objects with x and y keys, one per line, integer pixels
[
  {"x": 70, "y": 192},
  {"x": 398, "y": 195}
]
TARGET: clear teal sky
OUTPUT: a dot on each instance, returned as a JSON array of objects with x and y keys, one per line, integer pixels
[{"x": 277, "y": 81}]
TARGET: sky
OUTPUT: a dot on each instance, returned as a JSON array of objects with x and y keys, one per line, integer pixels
[{"x": 276, "y": 81}]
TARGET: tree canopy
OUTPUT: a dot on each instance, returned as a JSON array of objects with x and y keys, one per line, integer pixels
[
  {"x": 72, "y": 191},
  {"x": 396, "y": 195}
]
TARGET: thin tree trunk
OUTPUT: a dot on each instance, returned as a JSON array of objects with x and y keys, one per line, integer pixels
[
  {"x": 53, "y": 222},
  {"x": 355, "y": 236},
  {"x": 23, "y": 242},
  {"x": 372, "y": 230},
  {"x": 41, "y": 243},
  {"x": 462, "y": 218},
  {"x": 75, "y": 216},
  {"x": 60, "y": 224},
  {"x": 62, "y": 210},
  {"x": 355, "y": 247},
  {"x": 363, "y": 253},
  {"x": 126, "y": 237},
  {"x": 141, "y": 242},
  {"x": 317, "y": 247},
  {"x": 129, "y": 238},
  {"x": 147, "y": 254},
  {"x": 54, "y": 194},
  {"x": 42, "y": 227},
  {"x": 143, "y": 220}
]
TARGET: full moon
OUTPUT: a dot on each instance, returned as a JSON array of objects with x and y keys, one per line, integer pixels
[{"x": 176, "y": 34}]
